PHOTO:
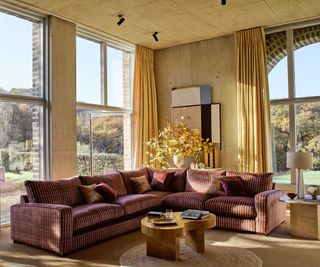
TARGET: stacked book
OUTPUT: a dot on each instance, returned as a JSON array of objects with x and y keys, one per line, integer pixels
[{"x": 194, "y": 214}]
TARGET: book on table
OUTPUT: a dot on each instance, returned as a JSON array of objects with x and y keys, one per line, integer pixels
[{"x": 194, "y": 214}]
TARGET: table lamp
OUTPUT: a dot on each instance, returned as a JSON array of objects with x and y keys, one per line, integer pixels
[{"x": 301, "y": 161}]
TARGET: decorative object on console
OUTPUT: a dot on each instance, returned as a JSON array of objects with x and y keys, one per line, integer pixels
[
  {"x": 313, "y": 190},
  {"x": 291, "y": 195},
  {"x": 175, "y": 140},
  {"x": 178, "y": 160},
  {"x": 301, "y": 161}
]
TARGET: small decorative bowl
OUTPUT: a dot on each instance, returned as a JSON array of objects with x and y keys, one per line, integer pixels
[{"x": 291, "y": 195}]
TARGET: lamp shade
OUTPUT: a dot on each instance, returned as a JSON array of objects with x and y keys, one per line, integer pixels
[{"x": 299, "y": 160}]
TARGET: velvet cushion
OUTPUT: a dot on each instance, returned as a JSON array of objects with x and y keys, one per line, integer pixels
[
  {"x": 162, "y": 180},
  {"x": 106, "y": 192},
  {"x": 233, "y": 187},
  {"x": 127, "y": 175},
  {"x": 90, "y": 194},
  {"x": 140, "y": 184},
  {"x": 214, "y": 185}
]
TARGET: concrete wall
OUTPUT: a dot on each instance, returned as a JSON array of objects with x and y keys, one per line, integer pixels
[
  {"x": 210, "y": 62},
  {"x": 63, "y": 98}
]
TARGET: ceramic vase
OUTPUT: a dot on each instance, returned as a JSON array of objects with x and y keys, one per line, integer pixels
[{"x": 178, "y": 160}]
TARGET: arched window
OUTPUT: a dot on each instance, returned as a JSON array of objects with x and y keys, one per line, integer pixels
[{"x": 293, "y": 58}]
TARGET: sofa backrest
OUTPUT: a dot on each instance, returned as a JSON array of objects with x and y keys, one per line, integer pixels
[
  {"x": 198, "y": 180},
  {"x": 178, "y": 183},
  {"x": 114, "y": 180},
  {"x": 64, "y": 192},
  {"x": 126, "y": 175},
  {"x": 254, "y": 183}
]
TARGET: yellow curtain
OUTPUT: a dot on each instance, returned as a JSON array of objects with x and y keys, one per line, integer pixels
[
  {"x": 253, "y": 103},
  {"x": 145, "y": 116}
]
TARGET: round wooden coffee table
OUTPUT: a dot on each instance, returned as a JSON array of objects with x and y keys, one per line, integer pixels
[{"x": 163, "y": 241}]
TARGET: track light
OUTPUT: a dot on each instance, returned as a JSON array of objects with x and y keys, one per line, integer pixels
[
  {"x": 155, "y": 37},
  {"x": 121, "y": 19},
  {"x": 223, "y": 2}
]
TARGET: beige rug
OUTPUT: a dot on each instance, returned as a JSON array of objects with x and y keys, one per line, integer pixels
[{"x": 216, "y": 256}]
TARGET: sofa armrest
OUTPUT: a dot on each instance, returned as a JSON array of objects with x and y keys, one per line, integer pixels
[
  {"x": 48, "y": 226},
  {"x": 270, "y": 211}
]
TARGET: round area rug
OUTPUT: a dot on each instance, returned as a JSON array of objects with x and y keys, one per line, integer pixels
[{"x": 214, "y": 256}]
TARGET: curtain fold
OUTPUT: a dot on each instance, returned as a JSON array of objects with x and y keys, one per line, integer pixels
[
  {"x": 253, "y": 103},
  {"x": 145, "y": 116}
]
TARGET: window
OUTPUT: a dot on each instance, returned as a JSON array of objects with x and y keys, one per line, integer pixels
[
  {"x": 293, "y": 58},
  {"x": 104, "y": 105},
  {"x": 22, "y": 106}
]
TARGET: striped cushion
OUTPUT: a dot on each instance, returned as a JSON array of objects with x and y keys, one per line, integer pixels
[
  {"x": 198, "y": 180},
  {"x": 138, "y": 202},
  {"x": 233, "y": 206},
  {"x": 185, "y": 200},
  {"x": 178, "y": 183},
  {"x": 254, "y": 183},
  {"x": 160, "y": 194},
  {"x": 126, "y": 175},
  {"x": 64, "y": 192},
  {"x": 90, "y": 214},
  {"x": 114, "y": 180}
]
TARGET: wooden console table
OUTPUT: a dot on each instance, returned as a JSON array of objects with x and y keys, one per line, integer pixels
[{"x": 304, "y": 217}]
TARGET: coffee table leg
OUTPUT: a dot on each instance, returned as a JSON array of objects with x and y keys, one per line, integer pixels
[
  {"x": 195, "y": 240},
  {"x": 166, "y": 248}
]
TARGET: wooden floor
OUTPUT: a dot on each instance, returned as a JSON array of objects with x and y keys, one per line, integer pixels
[{"x": 277, "y": 249}]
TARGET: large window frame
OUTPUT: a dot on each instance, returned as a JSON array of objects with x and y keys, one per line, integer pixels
[
  {"x": 292, "y": 100},
  {"x": 41, "y": 101},
  {"x": 107, "y": 41}
]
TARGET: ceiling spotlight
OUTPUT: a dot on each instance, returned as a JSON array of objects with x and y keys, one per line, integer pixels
[
  {"x": 155, "y": 37},
  {"x": 223, "y": 2},
  {"x": 121, "y": 19}
]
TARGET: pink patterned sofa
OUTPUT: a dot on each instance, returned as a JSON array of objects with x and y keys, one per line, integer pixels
[{"x": 54, "y": 216}]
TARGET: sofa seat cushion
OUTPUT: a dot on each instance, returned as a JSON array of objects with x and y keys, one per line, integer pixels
[
  {"x": 185, "y": 200},
  {"x": 160, "y": 194},
  {"x": 232, "y": 206},
  {"x": 114, "y": 180},
  {"x": 88, "y": 215},
  {"x": 63, "y": 192},
  {"x": 136, "y": 203}
]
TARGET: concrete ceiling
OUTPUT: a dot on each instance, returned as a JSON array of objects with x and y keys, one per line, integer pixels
[{"x": 177, "y": 21}]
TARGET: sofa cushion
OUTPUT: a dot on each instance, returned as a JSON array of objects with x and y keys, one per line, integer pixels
[
  {"x": 160, "y": 194},
  {"x": 90, "y": 194},
  {"x": 234, "y": 186},
  {"x": 185, "y": 200},
  {"x": 232, "y": 206},
  {"x": 178, "y": 183},
  {"x": 112, "y": 179},
  {"x": 126, "y": 175},
  {"x": 88, "y": 215},
  {"x": 199, "y": 180},
  {"x": 106, "y": 192},
  {"x": 140, "y": 184},
  {"x": 138, "y": 202},
  {"x": 64, "y": 192},
  {"x": 161, "y": 180},
  {"x": 254, "y": 183}
]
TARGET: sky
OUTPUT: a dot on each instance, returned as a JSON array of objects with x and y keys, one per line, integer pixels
[{"x": 16, "y": 66}]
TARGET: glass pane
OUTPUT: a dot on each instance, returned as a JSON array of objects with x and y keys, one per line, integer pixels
[
  {"x": 89, "y": 81},
  {"x": 20, "y": 142},
  {"x": 119, "y": 77},
  {"x": 20, "y": 56},
  {"x": 111, "y": 142},
  {"x": 280, "y": 142},
  {"x": 307, "y": 66},
  {"x": 308, "y": 130},
  {"x": 277, "y": 65}
]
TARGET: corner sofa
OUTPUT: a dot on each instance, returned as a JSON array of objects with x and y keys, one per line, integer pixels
[{"x": 54, "y": 216}]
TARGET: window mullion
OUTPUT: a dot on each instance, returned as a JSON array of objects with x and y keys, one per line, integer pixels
[
  {"x": 104, "y": 74},
  {"x": 291, "y": 94}
]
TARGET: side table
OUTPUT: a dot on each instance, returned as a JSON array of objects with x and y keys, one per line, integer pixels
[{"x": 304, "y": 217}]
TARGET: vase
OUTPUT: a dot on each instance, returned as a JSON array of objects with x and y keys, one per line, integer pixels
[{"x": 178, "y": 160}]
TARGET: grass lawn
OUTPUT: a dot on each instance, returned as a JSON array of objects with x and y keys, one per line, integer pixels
[
  {"x": 18, "y": 177},
  {"x": 310, "y": 177}
]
